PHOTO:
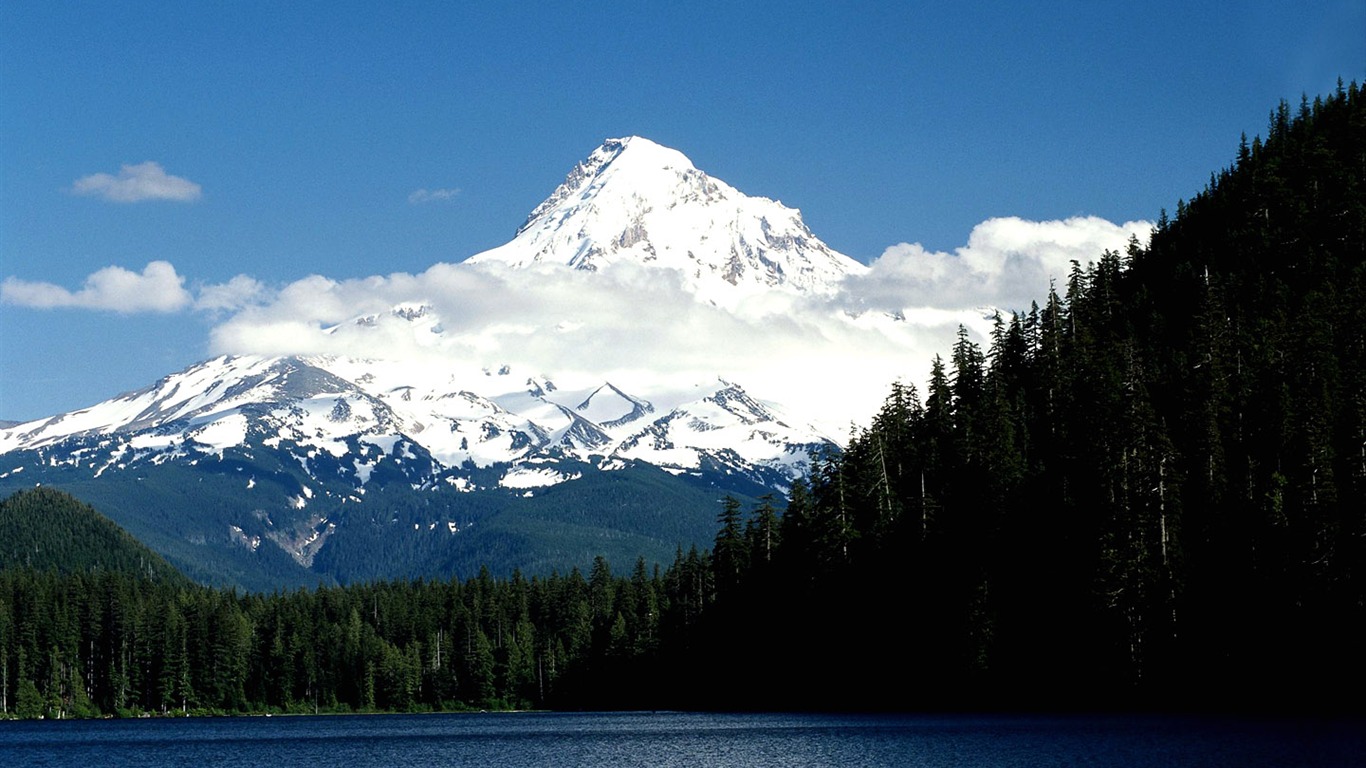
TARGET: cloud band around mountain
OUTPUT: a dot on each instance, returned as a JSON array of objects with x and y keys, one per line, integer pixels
[{"x": 632, "y": 321}]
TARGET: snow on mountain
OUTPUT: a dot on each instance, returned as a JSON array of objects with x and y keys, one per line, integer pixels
[
  {"x": 447, "y": 420},
  {"x": 361, "y": 412},
  {"x": 391, "y": 426},
  {"x": 634, "y": 200}
]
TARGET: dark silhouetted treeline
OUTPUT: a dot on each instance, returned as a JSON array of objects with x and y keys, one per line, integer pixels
[{"x": 1150, "y": 491}]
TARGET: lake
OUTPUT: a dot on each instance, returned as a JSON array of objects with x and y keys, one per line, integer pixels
[{"x": 669, "y": 739}]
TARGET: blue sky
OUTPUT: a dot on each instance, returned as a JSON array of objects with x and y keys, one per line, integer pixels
[{"x": 280, "y": 140}]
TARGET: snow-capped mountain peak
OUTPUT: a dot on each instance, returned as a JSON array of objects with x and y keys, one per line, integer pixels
[
  {"x": 633, "y": 160},
  {"x": 361, "y": 428},
  {"x": 633, "y": 200}
]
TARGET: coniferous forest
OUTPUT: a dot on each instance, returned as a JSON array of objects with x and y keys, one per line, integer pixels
[{"x": 1147, "y": 491}]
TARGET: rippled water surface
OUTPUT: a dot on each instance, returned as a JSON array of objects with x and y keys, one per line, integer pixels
[{"x": 685, "y": 739}]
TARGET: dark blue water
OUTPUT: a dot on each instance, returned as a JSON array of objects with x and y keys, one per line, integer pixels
[{"x": 684, "y": 739}]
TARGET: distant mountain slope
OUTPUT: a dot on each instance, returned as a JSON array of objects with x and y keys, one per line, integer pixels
[
  {"x": 47, "y": 529},
  {"x": 202, "y": 520}
]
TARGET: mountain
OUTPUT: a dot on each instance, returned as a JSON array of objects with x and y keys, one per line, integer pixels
[
  {"x": 270, "y": 471},
  {"x": 242, "y": 469},
  {"x": 46, "y": 529},
  {"x": 345, "y": 419},
  {"x": 634, "y": 200}
]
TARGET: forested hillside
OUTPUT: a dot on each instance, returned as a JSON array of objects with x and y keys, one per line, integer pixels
[
  {"x": 1151, "y": 488},
  {"x": 1149, "y": 491},
  {"x": 112, "y": 643},
  {"x": 46, "y": 529}
]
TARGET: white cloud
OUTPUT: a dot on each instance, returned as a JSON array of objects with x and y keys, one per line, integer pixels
[
  {"x": 1007, "y": 263},
  {"x": 239, "y": 292},
  {"x": 628, "y": 324},
  {"x": 419, "y": 196},
  {"x": 136, "y": 183},
  {"x": 156, "y": 289},
  {"x": 830, "y": 359}
]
